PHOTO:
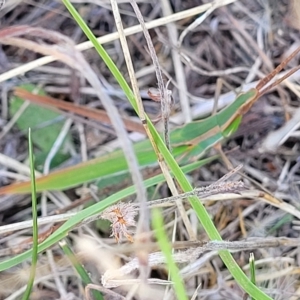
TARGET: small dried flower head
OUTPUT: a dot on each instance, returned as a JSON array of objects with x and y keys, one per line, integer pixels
[{"x": 121, "y": 216}]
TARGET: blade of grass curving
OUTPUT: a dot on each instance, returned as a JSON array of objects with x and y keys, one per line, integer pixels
[
  {"x": 79, "y": 268},
  {"x": 34, "y": 259},
  {"x": 162, "y": 239},
  {"x": 90, "y": 211},
  {"x": 200, "y": 210}
]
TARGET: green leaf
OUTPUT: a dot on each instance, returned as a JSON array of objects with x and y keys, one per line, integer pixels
[
  {"x": 165, "y": 247},
  {"x": 35, "y": 233},
  {"x": 45, "y": 123}
]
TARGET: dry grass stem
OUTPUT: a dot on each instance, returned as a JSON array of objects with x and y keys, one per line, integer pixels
[
  {"x": 178, "y": 67},
  {"x": 165, "y": 98},
  {"x": 113, "y": 278}
]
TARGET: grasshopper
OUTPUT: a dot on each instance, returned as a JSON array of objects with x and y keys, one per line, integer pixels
[{"x": 191, "y": 140}]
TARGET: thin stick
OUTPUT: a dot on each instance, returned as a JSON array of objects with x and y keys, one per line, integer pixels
[
  {"x": 203, "y": 192},
  {"x": 218, "y": 187},
  {"x": 177, "y": 63},
  {"x": 164, "y": 95},
  {"x": 113, "y": 277},
  {"x": 262, "y": 83},
  {"x": 228, "y": 175},
  {"x": 196, "y": 23}
]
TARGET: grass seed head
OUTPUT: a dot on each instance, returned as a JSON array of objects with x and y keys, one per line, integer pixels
[{"x": 121, "y": 216}]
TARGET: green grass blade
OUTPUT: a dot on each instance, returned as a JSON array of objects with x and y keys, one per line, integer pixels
[
  {"x": 252, "y": 268},
  {"x": 162, "y": 239},
  {"x": 34, "y": 220}
]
